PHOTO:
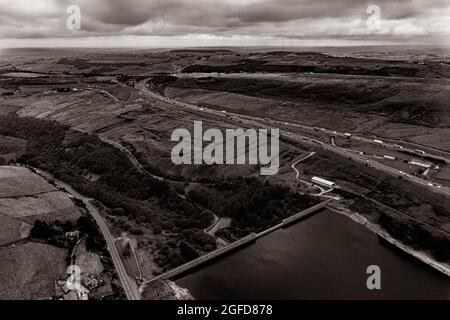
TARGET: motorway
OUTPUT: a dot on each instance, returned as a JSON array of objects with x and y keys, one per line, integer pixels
[
  {"x": 260, "y": 122},
  {"x": 129, "y": 284}
]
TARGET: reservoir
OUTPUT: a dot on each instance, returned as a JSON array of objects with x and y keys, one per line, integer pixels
[{"x": 323, "y": 257}]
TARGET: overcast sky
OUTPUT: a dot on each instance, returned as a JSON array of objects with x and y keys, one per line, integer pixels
[{"x": 161, "y": 23}]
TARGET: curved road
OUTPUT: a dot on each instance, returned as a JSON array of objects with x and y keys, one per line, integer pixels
[
  {"x": 322, "y": 192},
  {"x": 129, "y": 284}
]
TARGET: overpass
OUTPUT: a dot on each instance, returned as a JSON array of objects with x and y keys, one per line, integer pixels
[{"x": 237, "y": 244}]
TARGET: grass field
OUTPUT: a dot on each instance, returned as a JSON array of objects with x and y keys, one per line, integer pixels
[
  {"x": 25, "y": 196},
  {"x": 433, "y": 137},
  {"x": 10, "y": 230},
  {"x": 218, "y": 99},
  {"x": 30, "y": 270},
  {"x": 17, "y": 182},
  {"x": 47, "y": 206}
]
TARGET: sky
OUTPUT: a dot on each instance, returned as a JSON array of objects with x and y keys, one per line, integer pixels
[{"x": 180, "y": 23}]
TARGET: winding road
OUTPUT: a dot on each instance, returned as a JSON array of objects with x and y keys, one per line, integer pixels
[
  {"x": 322, "y": 192},
  {"x": 129, "y": 284}
]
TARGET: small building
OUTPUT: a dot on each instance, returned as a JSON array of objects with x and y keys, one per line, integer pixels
[
  {"x": 378, "y": 141},
  {"x": 389, "y": 157},
  {"x": 322, "y": 182},
  {"x": 73, "y": 235}
]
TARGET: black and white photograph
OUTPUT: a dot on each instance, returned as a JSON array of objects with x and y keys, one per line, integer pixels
[{"x": 254, "y": 151}]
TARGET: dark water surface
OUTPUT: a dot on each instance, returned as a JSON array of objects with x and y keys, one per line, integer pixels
[{"x": 323, "y": 257}]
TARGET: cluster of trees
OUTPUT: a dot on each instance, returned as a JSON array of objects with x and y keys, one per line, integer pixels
[
  {"x": 417, "y": 216},
  {"x": 73, "y": 157},
  {"x": 160, "y": 83},
  {"x": 55, "y": 233},
  {"x": 253, "y": 205},
  {"x": 250, "y": 65},
  {"x": 186, "y": 246},
  {"x": 199, "y": 240},
  {"x": 169, "y": 257},
  {"x": 187, "y": 252},
  {"x": 88, "y": 227},
  {"x": 38, "y": 132},
  {"x": 183, "y": 214},
  {"x": 84, "y": 154},
  {"x": 417, "y": 235}
]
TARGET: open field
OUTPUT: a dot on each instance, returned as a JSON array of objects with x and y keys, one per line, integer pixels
[
  {"x": 25, "y": 196},
  {"x": 225, "y": 100},
  {"x": 20, "y": 182},
  {"x": 12, "y": 230},
  {"x": 46, "y": 206},
  {"x": 29, "y": 271},
  {"x": 427, "y": 136}
]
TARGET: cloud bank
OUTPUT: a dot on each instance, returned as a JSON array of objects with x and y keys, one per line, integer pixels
[{"x": 246, "y": 20}]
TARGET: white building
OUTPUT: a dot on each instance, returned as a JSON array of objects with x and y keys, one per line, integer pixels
[
  {"x": 420, "y": 151},
  {"x": 420, "y": 164},
  {"x": 322, "y": 182}
]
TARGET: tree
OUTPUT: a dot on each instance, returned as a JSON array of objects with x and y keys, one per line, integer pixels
[{"x": 187, "y": 252}]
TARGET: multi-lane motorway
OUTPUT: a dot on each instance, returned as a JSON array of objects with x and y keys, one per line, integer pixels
[{"x": 348, "y": 153}]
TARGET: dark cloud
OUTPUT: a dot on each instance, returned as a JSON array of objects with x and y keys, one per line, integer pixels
[{"x": 224, "y": 18}]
